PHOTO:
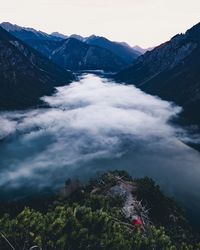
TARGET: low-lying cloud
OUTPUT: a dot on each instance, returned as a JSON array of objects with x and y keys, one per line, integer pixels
[{"x": 95, "y": 125}]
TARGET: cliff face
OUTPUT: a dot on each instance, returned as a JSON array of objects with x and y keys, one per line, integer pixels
[
  {"x": 171, "y": 71},
  {"x": 25, "y": 75}
]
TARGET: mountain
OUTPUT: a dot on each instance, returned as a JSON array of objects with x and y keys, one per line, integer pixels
[
  {"x": 83, "y": 53},
  {"x": 27, "y": 34},
  {"x": 25, "y": 74},
  {"x": 59, "y": 35},
  {"x": 78, "y": 37},
  {"x": 45, "y": 47},
  {"x": 76, "y": 55},
  {"x": 125, "y": 52},
  {"x": 171, "y": 71},
  {"x": 41, "y": 41},
  {"x": 142, "y": 50}
]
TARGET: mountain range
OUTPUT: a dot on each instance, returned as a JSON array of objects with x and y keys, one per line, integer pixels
[
  {"x": 76, "y": 52},
  {"x": 33, "y": 63},
  {"x": 122, "y": 50},
  {"x": 25, "y": 74},
  {"x": 141, "y": 50},
  {"x": 76, "y": 55},
  {"x": 172, "y": 72}
]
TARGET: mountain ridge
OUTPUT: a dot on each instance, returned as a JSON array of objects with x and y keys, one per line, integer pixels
[
  {"x": 171, "y": 71},
  {"x": 127, "y": 53},
  {"x": 25, "y": 74},
  {"x": 122, "y": 55},
  {"x": 76, "y": 55}
]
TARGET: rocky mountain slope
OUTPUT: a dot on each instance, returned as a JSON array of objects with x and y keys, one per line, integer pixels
[
  {"x": 77, "y": 55},
  {"x": 28, "y": 34},
  {"x": 123, "y": 51},
  {"x": 59, "y": 35},
  {"x": 41, "y": 41},
  {"x": 171, "y": 71},
  {"x": 25, "y": 75},
  {"x": 76, "y": 52},
  {"x": 142, "y": 50}
]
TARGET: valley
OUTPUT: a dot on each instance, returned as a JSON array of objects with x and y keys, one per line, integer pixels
[
  {"x": 95, "y": 125},
  {"x": 118, "y": 124}
]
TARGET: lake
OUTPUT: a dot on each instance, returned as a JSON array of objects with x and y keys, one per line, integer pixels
[{"x": 91, "y": 126}]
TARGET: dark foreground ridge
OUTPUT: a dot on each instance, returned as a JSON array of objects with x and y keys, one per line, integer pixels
[{"x": 112, "y": 211}]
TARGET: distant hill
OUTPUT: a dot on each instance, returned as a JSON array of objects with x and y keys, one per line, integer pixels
[
  {"x": 171, "y": 71},
  {"x": 61, "y": 48},
  {"x": 76, "y": 55},
  {"x": 78, "y": 37},
  {"x": 27, "y": 34},
  {"x": 142, "y": 50},
  {"x": 41, "y": 41},
  {"x": 122, "y": 50},
  {"x": 59, "y": 35},
  {"x": 25, "y": 74}
]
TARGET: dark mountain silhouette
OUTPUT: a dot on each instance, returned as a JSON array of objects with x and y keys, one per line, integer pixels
[
  {"x": 41, "y": 41},
  {"x": 142, "y": 50},
  {"x": 25, "y": 75},
  {"x": 59, "y": 35},
  {"x": 76, "y": 55},
  {"x": 125, "y": 52},
  {"x": 171, "y": 71},
  {"x": 88, "y": 53},
  {"x": 27, "y": 34}
]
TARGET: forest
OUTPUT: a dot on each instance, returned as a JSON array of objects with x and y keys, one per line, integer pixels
[{"x": 93, "y": 216}]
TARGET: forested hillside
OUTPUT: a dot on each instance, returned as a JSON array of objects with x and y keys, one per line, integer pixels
[{"x": 98, "y": 215}]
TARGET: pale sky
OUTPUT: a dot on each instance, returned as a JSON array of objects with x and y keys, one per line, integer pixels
[{"x": 143, "y": 22}]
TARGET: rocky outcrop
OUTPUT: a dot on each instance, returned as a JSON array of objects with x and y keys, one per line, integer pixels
[{"x": 132, "y": 208}]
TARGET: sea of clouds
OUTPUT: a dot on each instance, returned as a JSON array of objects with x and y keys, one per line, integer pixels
[{"x": 95, "y": 125}]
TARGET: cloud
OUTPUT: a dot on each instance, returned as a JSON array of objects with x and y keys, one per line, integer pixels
[
  {"x": 7, "y": 127},
  {"x": 95, "y": 125}
]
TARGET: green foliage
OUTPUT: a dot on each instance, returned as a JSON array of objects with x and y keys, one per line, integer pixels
[
  {"x": 164, "y": 211},
  {"x": 92, "y": 221}
]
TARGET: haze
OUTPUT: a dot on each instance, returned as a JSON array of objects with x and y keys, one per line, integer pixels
[{"x": 142, "y": 22}]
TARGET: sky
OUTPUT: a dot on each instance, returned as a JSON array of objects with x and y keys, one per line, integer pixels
[{"x": 139, "y": 22}]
